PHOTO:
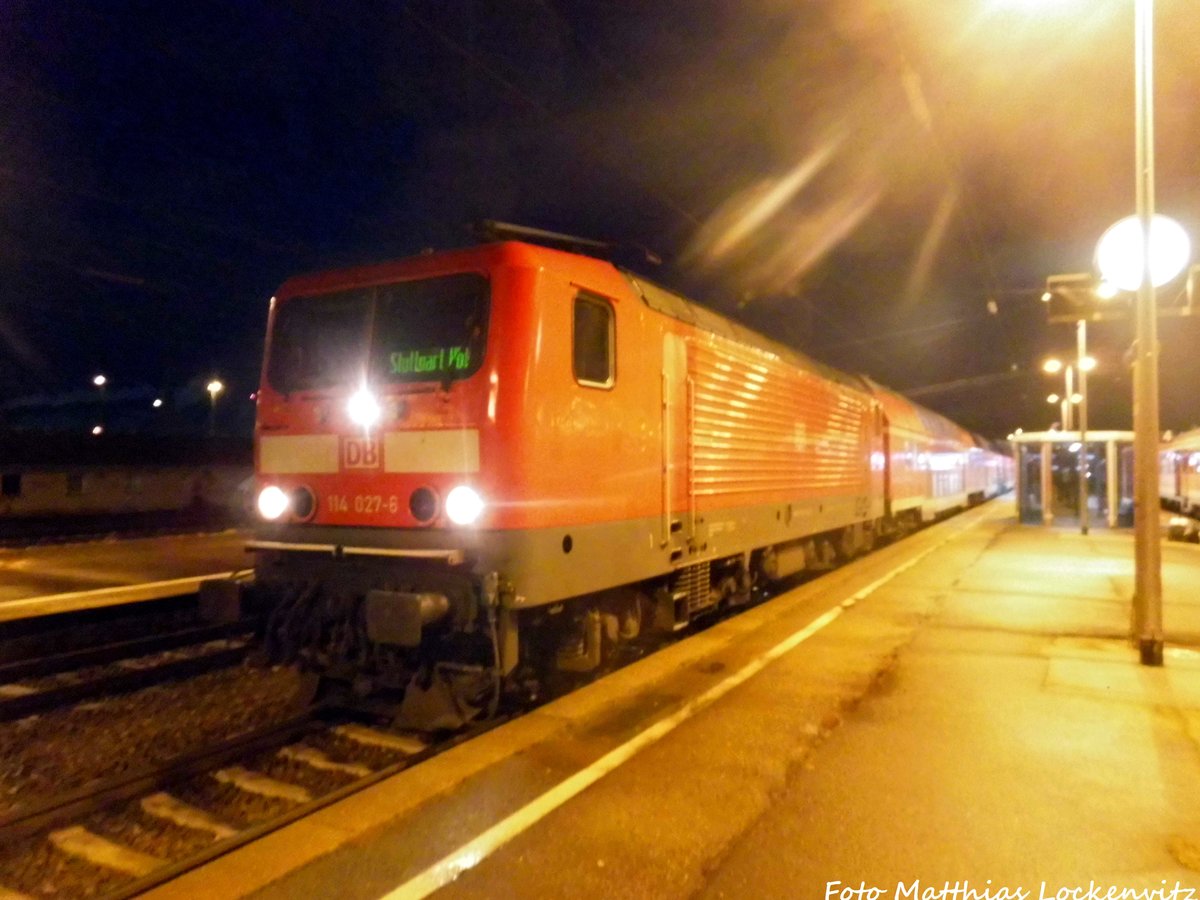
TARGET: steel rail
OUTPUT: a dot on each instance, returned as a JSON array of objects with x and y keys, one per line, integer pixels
[
  {"x": 38, "y": 701},
  {"x": 42, "y": 666},
  {"x": 78, "y": 804},
  {"x": 178, "y": 867}
]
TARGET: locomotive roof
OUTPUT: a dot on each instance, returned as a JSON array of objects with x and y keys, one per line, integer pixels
[
  {"x": 901, "y": 409},
  {"x": 655, "y": 296},
  {"x": 671, "y": 304}
]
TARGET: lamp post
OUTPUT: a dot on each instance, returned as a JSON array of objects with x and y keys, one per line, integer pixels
[
  {"x": 1155, "y": 254},
  {"x": 214, "y": 388},
  {"x": 1082, "y": 365},
  {"x": 1071, "y": 397},
  {"x": 1086, "y": 364},
  {"x": 1062, "y": 410},
  {"x": 101, "y": 381},
  {"x": 1147, "y": 552},
  {"x": 1139, "y": 253},
  {"x": 1151, "y": 255}
]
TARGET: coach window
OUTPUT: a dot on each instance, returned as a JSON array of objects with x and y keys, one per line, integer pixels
[{"x": 593, "y": 355}]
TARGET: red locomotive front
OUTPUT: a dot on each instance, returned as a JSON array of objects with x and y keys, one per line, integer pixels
[
  {"x": 427, "y": 456},
  {"x": 373, "y": 399}
]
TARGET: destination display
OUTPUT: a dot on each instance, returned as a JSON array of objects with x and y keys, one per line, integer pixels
[{"x": 435, "y": 361}]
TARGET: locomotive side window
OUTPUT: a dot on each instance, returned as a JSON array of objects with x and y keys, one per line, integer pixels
[{"x": 593, "y": 338}]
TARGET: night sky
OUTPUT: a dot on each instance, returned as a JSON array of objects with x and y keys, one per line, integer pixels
[{"x": 884, "y": 184}]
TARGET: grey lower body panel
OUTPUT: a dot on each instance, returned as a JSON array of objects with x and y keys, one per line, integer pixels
[{"x": 547, "y": 565}]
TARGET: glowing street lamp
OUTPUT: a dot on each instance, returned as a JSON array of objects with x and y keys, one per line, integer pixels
[
  {"x": 1120, "y": 255},
  {"x": 1070, "y": 396},
  {"x": 100, "y": 381},
  {"x": 214, "y": 388}
]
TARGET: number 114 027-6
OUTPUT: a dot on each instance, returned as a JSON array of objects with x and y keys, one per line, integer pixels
[{"x": 363, "y": 503}]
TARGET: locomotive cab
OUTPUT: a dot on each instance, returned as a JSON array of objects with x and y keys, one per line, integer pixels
[
  {"x": 371, "y": 482},
  {"x": 443, "y": 450}
]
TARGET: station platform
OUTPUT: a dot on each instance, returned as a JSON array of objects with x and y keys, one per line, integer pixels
[
  {"x": 958, "y": 716},
  {"x": 47, "y": 579}
]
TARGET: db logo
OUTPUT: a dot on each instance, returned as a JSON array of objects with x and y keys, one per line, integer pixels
[{"x": 360, "y": 453}]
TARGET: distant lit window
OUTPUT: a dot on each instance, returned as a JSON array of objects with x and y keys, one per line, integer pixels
[
  {"x": 10, "y": 484},
  {"x": 593, "y": 355}
]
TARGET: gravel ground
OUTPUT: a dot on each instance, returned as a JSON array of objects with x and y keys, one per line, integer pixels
[
  {"x": 343, "y": 749},
  {"x": 229, "y": 804},
  {"x": 313, "y": 780},
  {"x": 67, "y": 749},
  {"x": 72, "y": 748},
  {"x": 149, "y": 834},
  {"x": 39, "y": 869}
]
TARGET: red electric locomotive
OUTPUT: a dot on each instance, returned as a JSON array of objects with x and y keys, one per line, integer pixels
[{"x": 482, "y": 468}]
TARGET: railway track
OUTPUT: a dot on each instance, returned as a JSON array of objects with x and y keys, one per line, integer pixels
[
  {"x": 122, "y": 835},
  {"x": 130, "y": 833},
  {"x": 37, "y": 685}
]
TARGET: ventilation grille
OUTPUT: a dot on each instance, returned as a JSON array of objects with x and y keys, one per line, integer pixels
[{"x": 694, "y": 581}]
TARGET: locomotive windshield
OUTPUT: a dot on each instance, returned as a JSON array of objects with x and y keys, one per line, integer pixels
[{"x": 428, "y": 330}]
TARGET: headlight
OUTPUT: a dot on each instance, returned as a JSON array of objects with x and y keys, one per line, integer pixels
[
  {"x": 273, "y": 502},
  {"x": 363, "y": 408},
  {"x": 464, "y": 505}
]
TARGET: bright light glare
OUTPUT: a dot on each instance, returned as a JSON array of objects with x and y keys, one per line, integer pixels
[
  {"x": 273, "y": 502},
  {"x": 157, "y": 402},
  {"x": 214, "y": 387},
  {"x": 99, "y": 381},
  {"x": 97, "y": 429},
  {"x": 1052, "y": 366},
  {"x": 1034, "y": 5},
  {"x": 1053, "y": 398},
  {"x": 363, "y": 408},
  {"x": 1106, "y": 290},
  {"x": 1077, "y": 398},
  {"x": 1075, "y": 447},
  {"x": 1119, "y": 253},
  {"x": 464, "y": 505}
]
